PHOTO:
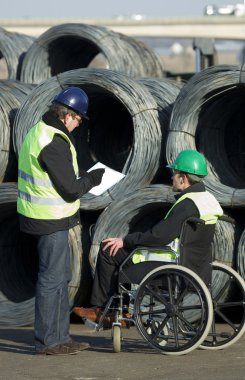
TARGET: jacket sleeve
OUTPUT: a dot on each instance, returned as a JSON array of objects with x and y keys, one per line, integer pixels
[
  {"x": 56, "y": 160},
  {"x": 164, "y": 231}
]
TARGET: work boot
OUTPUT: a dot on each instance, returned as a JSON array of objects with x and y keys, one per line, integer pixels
[
  {"x": 79, "y": 346},
  {"x": 60, "y": 349}
]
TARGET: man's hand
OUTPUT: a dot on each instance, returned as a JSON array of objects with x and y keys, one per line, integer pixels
[
  {"x": 114, "y": 244},
  {"x": 96, "y": 176}
]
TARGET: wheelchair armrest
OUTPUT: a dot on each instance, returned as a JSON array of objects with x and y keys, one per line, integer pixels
[
  {"x": 149, "y": 248},
  {"x": 226, "y": 218},
  {"x": 195, "y": 220}
]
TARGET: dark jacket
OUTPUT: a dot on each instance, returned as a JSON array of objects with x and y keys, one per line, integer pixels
[
  {"x": 56, "y": 160},
  {"x": 167, "y": 229}
]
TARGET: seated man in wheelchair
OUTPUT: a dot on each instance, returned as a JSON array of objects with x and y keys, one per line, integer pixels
[{"x": 192, "y": 201}]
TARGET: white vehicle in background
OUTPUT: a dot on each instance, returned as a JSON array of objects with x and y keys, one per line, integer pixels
[
  {"x": 225, "y": 10},
  {"x": 240, "y": 9}
]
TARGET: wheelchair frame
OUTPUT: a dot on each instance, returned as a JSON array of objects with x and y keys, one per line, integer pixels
[{"x": 175, "y": 312}]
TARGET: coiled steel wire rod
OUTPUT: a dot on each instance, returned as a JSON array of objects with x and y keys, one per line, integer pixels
[
  {"x": 19, "y": 265},
  {"x": 72, "y": 46},
  {"x": 13, "y": 47},
  {"x": 241, "y": 256},
  {"x": 165, "y": 92},
  {"x": 12, "y": 94},
  {"x": 208, "y": 116},
  {"x": 123, "y": 132}
]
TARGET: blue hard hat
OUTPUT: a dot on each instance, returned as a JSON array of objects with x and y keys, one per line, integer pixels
[{"x": 74, "y": 98}]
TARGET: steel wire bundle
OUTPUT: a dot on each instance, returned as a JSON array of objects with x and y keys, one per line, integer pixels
[
  {"x": 19, "y": 263},
  {"x": 241, "y": 256},
  {"x": 13, "y": 47},
  {"x": 124, "y": 131},
  {"x": 148, "y": 63},
  {"x": 12, "y": 95},
  {"x": 165, "y": 92},
  {"x": 72, "y": 46},
  {"x": 8, "y": 196},
  {"x": 208, "y": 116}
]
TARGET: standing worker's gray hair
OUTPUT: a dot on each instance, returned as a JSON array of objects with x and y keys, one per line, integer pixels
[{"x": 60, "y": 110}]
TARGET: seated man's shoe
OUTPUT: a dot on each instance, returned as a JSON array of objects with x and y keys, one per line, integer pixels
[
  {"x": 91, "y": 313},
  {"x": 94, "y": 314},
  {"x": 79, "y": 346},
  {"x": 127, "y": 323},
  {"x": 60, "y": 349},
  {"x": 110, "y": 318},
  {"x": 107, "y": 320},
  {"x": 127, "y": 315}
]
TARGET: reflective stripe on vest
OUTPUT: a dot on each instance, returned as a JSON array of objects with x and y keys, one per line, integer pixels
[
  {"x": 40, "y": 201},
  {"x": 209, "y": 210},
  {"x": 151, "y": 254},
  {"x": 37, "y": 197},
  {"x": 34, "y": 181}
]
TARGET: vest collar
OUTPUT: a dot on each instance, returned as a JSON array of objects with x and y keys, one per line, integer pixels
[{"x": 50, "y": 119}]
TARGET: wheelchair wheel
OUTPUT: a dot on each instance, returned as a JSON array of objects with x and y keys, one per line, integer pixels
[
  {"x": 116, "y": 337},
  {"x": 173, "y": 310},
  {"x": 228, "y": 307}
]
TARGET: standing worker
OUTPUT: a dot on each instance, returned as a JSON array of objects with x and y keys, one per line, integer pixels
[
  {"x": 49, "y": 191},
  {"x": 192, "y": 200}
]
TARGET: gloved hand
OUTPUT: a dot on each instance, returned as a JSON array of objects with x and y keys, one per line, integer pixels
[{"x": 96, "y": 176}]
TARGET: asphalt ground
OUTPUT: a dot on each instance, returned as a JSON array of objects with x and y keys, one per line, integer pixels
[{"x": 135, "y": 361}]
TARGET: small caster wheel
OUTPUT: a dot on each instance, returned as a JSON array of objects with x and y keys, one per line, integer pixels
[{"x": 116, "y": 337}]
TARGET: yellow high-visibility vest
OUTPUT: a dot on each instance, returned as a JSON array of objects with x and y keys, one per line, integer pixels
[{"x": 37, "y": 197}]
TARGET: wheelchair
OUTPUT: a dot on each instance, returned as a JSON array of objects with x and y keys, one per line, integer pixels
[{"x": 173, "y": 308}]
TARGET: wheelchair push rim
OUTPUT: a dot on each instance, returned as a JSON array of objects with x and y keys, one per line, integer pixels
[{"x": 173, "y": 310}]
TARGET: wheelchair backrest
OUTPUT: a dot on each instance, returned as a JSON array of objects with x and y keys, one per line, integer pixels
[{"x": 195, "y": 247}]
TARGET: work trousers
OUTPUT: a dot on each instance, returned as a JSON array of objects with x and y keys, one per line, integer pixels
[
  {"x": 52, "y": 311},
  {"x": 106, "y": 276}
]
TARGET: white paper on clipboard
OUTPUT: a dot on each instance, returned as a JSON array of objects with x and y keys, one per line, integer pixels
[{"x": 110, "y": 178}]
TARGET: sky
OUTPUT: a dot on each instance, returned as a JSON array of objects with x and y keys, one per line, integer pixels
[{"x": 14, "y": 9}]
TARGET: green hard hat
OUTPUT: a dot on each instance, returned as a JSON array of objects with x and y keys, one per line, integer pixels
[{"x": 190, "y": 161}]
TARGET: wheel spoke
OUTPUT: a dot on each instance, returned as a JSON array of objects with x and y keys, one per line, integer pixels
[
  {"x": 223, "y": 290},
  {"x": 190, "y": 307},
  {"x": 151, "y": 312},
  {"x": 231, "y": 304},
  {"x": 170, "y": 289},
  {"x": 186, "y": 322},
  {"x": 226, "y": 319},
  {"x": 181, "y": 296},
  {"x": 159, "y": 329},
  {"x": 159, "y": 297}
]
